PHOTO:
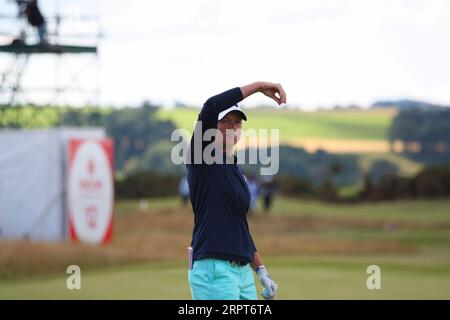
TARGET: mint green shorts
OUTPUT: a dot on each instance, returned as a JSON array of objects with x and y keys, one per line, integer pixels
[{"x": 214, "y": 279}]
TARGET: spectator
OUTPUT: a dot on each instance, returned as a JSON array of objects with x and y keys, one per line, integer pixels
[
  {"x": 267, "y": 191},
  {"x": 254, "y": 192},
  {"x": 35, "y": 18},
  {"x": 183, "y": 190}
]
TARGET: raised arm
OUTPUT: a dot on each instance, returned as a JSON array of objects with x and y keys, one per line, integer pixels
[
  {"x": 208, "y": 116},
  {"x": 216, "y": 104}
]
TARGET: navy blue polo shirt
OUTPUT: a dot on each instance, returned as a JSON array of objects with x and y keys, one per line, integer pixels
[{"x": 220, "y": 196}]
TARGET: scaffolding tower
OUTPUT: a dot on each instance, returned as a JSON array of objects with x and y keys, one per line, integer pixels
[{"x": 59, "y": 64}]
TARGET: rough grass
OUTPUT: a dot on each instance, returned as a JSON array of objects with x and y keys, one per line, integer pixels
[
  {"x": 164, "y": 235},
  {"x": 163, "y": 232}
]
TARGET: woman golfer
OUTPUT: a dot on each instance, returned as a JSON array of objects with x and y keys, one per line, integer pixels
[{"x": 222, "y": 250}]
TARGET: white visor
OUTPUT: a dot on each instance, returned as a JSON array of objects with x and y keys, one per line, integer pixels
[{"x": 233, "y": 108}]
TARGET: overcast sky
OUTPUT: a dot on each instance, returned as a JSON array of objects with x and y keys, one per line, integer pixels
[{"x": 323, "y": 52}]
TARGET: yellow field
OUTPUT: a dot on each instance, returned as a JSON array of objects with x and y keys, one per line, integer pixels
[{"x": 328, "y": 145}]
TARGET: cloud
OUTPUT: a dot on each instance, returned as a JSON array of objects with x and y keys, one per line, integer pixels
[{"x": 324, "y": 52}]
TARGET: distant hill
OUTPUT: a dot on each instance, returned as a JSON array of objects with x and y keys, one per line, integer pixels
[
  {"x": 404, "y": 104},
  {"x": 372, "y": 125}
]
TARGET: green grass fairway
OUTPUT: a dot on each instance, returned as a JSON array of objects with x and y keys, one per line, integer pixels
[
  {"x": 406, "y": 211},
  {"x": 309, "y": 277},
  {"x": 313, "y": 250},
  {"x": 359, "y": 125}
]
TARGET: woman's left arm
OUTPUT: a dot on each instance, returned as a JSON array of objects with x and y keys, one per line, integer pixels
[
  {"x": 257, "y": 261},
  {"x": 270, "y": 287}
]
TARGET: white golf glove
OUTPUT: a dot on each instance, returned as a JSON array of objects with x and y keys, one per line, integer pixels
[{"x": 270, "y": 287}]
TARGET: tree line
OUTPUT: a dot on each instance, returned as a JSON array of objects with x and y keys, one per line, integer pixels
[
  {"x": 135, "y": 130},
  {"x": 143, "y": 148},
  {"x": 423, "y": 134}
]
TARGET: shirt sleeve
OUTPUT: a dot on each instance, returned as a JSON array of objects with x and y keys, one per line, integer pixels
[
  {"x": 207, "y": 118},
  {"x": 216, "y": 104}
]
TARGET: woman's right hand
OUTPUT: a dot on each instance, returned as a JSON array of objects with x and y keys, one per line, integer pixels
[{"x": 272, "y": 90}]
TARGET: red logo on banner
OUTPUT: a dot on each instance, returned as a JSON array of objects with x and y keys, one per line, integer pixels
[
  {"x": 91, "y": 166},
  {"x": 91, "y": 216},
  {"x": 90, "y": 190}
]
